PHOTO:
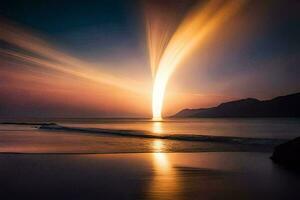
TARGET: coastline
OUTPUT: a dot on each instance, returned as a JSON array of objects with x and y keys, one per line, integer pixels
[
  {"x": 74, "y": 164},
  {"x": 146, "y": 176}
]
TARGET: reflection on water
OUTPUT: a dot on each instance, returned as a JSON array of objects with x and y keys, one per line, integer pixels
[
  {"x": 165, "y": 183},
  {"x": 161, "y": 163},
  {"x": 258, "y": 127},
  {"x": 158, "y": 145},
  {"x": 157, "y": 127},
  {"x": 185, "y": 176}
]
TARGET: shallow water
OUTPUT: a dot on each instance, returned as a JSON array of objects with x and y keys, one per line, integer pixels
[
  {"x": 183, "y": 136},
  {"x": 243, "y": 127},
  {"x": 39, "y": 141},
  {"x": 235, "y": 170}
]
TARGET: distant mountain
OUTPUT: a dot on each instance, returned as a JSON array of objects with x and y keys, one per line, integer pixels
[{"x": 282, "y": 106}]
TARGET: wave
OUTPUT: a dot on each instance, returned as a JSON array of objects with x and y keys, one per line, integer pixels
[
  {"x": 181, "y": 137},
  {"x": 29, "y": 123}
]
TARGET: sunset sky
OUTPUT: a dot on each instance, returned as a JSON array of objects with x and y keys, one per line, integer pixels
[{"x": 91, "y": 58}]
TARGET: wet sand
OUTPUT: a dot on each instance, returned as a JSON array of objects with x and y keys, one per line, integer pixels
[{"x": 221, "y": 175}]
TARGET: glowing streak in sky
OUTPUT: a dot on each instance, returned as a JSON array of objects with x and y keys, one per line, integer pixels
[
  {"x": 55, "y": 59},
  {"x": 191, "y": 33}
]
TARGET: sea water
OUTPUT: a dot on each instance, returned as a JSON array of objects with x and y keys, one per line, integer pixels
[{"x": 127, "y": 135}]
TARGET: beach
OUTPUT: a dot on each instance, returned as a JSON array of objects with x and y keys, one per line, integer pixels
[
  {"x": 149, "y": 100},
  {"x": 100, "y": 160},
  {"x": 146, "y": 176}
]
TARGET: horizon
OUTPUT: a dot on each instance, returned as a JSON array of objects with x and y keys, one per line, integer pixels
[
  {"x": 149, "y": 99},
  {"x": 100, "y": 59},
  {"x": 53, "y": 118}
]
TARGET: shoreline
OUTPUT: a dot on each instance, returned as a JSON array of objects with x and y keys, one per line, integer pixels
[
  {"x": 67, "y": 139},
  {"x": 146, "y": 176},
  {"x": 133, "y": 152}
]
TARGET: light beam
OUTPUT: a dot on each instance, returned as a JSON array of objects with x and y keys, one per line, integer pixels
[{"x": 189, "y": 35}]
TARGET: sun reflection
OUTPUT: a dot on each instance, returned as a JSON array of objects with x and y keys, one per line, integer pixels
[
  {"x": 162, "y": 163},
  {"x": 157, "y": 127},
  {"x": 165, "y": 184},
  {"x": 158, "y": 145}
]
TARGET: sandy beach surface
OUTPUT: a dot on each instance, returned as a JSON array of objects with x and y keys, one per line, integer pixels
[
  {"x": 104, "y": 161},
  {"x": 221, "y": 175}
]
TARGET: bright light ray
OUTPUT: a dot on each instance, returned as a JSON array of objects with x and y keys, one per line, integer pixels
[
  {"x": 191, "y": 33},
  {"x": 53, "y": 78},
  {"x": 55, "y": 59},
  {"x": 158, "y": 33}
]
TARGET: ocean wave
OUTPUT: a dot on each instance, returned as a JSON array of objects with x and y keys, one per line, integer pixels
[{"x": 181, "y": 137}]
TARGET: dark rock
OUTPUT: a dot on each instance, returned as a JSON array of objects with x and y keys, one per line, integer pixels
[
  {"x": 283, "y": 106},
  {"x": 288, "y": 153}
]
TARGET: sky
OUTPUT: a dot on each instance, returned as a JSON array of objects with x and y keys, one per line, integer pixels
[{"x": 91, "y": 59}]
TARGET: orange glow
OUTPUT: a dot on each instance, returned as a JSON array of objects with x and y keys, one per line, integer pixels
[
  {"x": 162, "y": 163},
  {"x": 191, "y": 33},
  {"x": 157, "y": 127},
  {"x": 57, "y": 60},
  {"x": 164, "y": 176},
  {"x": 50, "y": 75},
  {"x": 46, "y": 75}
]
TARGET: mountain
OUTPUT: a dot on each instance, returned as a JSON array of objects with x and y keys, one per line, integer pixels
[{"x": 282, "y": 106}]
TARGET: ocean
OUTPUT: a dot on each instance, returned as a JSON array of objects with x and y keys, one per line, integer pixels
[
  {"x": 142, "y": 159},
  {"x": 146, "y": 136}
]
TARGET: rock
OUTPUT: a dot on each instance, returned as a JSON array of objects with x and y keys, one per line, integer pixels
[
  {"x": 288, "y": 153},
  {"x": 283, "y": 106}
]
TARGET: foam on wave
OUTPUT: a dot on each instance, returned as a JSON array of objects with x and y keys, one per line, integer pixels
[{"x": 182, "y": 137}]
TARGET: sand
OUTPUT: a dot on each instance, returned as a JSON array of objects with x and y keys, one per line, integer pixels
[{"x": 221, "y": 175}]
